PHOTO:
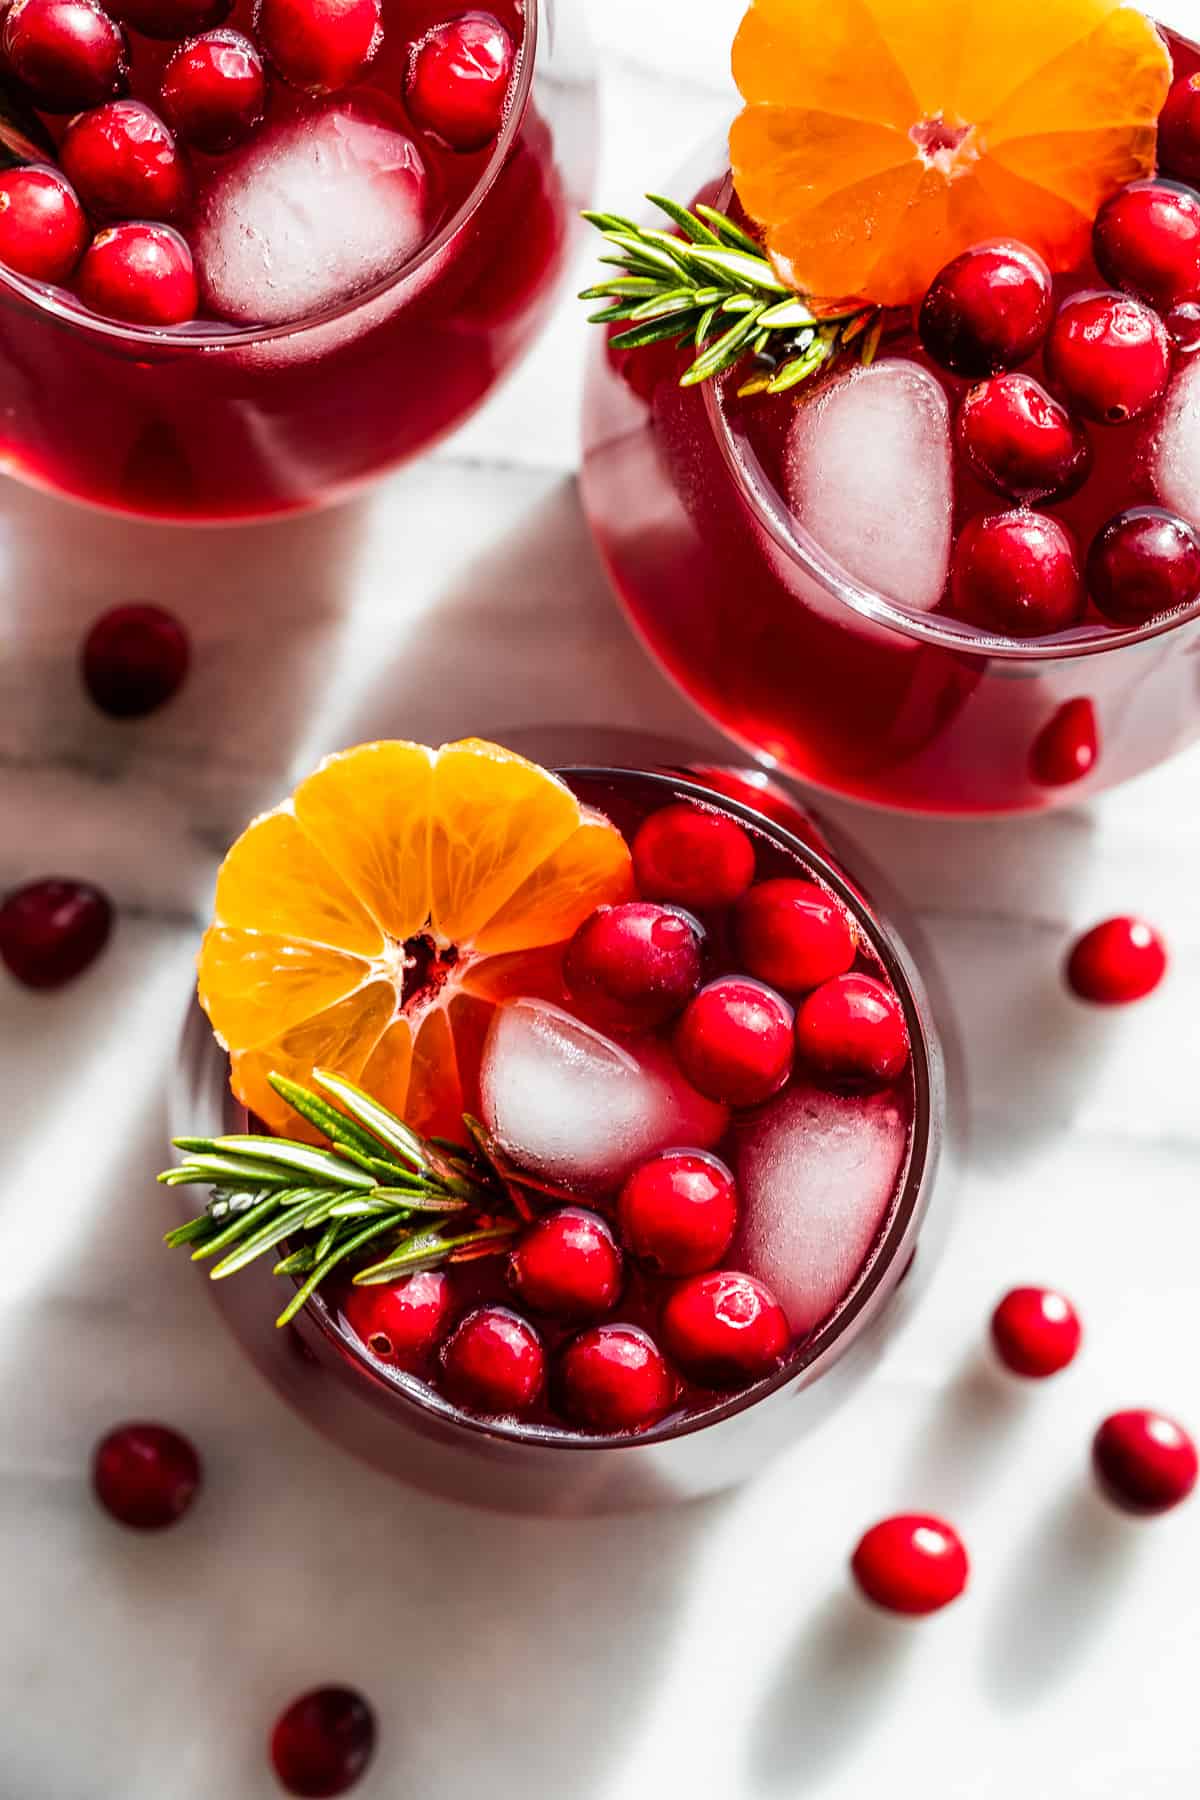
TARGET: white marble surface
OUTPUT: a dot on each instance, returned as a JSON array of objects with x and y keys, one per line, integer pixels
[{"x": 711, "y": 1651}]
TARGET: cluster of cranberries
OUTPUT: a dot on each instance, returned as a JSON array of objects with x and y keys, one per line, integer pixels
[{"x": 110, "y": 216}]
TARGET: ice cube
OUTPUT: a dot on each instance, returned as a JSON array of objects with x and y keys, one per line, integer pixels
[
  {"x": 868, "y": 473},
  {"x": 569, "y": 1104},
  {"x": 1176, "y": 454},
  {"x": 816, "y": 1175},
  {"x": 309, "y": 214}
]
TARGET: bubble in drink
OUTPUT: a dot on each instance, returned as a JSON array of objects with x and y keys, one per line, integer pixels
[
  {"x": 1177, "y": 451},
  {"x": 868, "y": 474},
  {"x": 573, "y": 1106},
  {"x": 816, "y": 1173},
  {"x": 308, "y": 215}
]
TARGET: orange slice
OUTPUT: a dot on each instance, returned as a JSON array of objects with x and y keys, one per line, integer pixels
[
  {"x": 372, "y": 922},
  {"x": 882, "y": 137}
]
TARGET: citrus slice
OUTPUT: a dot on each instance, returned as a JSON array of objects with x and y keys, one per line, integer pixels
[
  {"x": 371, "y": 923},
  {"x": 882, "y": 137}
]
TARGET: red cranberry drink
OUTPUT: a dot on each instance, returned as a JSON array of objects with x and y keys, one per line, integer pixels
[
  {"x": 253, "y": 252},
  {"x": 922, "y": 523},
  {"x": 627, "y": 1162}
]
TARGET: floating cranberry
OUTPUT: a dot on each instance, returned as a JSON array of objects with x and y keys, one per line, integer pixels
[
  {"x": 1179, "y": 131},
  {"x": 988, "y": 310},
  {"x": 614, "y": 1378},
  {"x": 214, "y": 90},
  {"x": 1146, "y": 240},
  {"x": 567, "y": 1264},
  {"x": 793, "y": 935},
  {"x": 146, "y": 1476},
  {"x": 1144, "y": 1462},
  {"x": 852, "y": 1029},
  {"x": 402, "y": 1322},
  {"x": 323, "y": 1742},
  {"x": 43, "y": 231},
  {"x": 689, "y": 856},
  {"x": 1183, "y": 327},
  {"x": 171, "y": 20},
  {"x": 68, "y": 53},
  {"x": 1067, "y": 746},
  {"x": 1144, "y": 562},
  {"x": 734, "y": 1042},
  {"x": 140, "y": 273},
  {"x": 1016, "y": 573},
  {"x": 134, "y": 659},
  {"x": 493, "y": 1362},
  {"x": 725, "y": 1329},
  {"x": 1017, "y": 439},
  {"x": 1110, "y": 355},
  {"x": 125, "y": 163},
  {"x": 1117, "y": 962},
  {"x": 51, "y": 930},
  {"x": 678, "y": 1212},
  {"x": 634, "y": 966},
  {"x": 911, "y": 1563},
  {"x": 458, "y": 80},
  {"x": 319, "y": 46},
  {"x": 1036, "y": 1332}
]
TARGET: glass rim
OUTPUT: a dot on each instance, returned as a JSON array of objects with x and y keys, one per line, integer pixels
[{"x": 165, "y": 337}]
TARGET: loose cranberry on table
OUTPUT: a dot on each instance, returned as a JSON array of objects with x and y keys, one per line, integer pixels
[
  {"x": 172, "y": 19},
  {"x": 1017, "y": 574},
  {"x": 134, "y": 659},
  {"x": 322, "y": 1744},
  {"x": 68, "y": 53},
  {"x": 319, "y": 46},
  {"x": 1017, "y": 439},
  {"x": 734, "y": 1042},
  {"x": 50, "y": 931},
  {"x": 793, "y": 935},
  {"x": 691, "y": 857},
  {"x": 725, "y": 1329},
  {"x": 911, "y": 1563},
  {"x": 494, "y": 1362},
  {"x": 1144, "y": 562},
  {"x": 403, "y": 1322},
  {"x": 1035, "y": 1332},
  {"x": 1067, "y": 746},
  {"x": 458, "y": 80},
  {"x": 678, "y": 1212},
  {"x": 124, "y": 163},
  {"x": 852, "y": 1029},
  {"x": 634, "y": 966},
  {"x": 987, "y": 310},
  {"x": 1179, "y": 131},
  {"x": 146, "y": 1476},
  {"x": 214, "y": 90},
  {"x": 1183, "y": 327},
  {"x": 567, "y": 1264},
  {"x": 1144, "y": 1462},
  {"x": 1146, "y": 239},
  {"x": 1110, "y": 355},
  {"x": 614, "y": 1378},
  {"x": 142, "y": 274},
  {"x": 1118, "y": 961},
  {"x": 43, "y": 229}
]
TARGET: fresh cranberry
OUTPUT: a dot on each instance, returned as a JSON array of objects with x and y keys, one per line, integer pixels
[
  {"x": 171, "y": 20},
  {"x": 1144, "y": 1462},
  {"x": 51, "y": 930},
  {"x": 734, "y": 1042},
  {"x": 852, "y": 1029},
  {"x": 1179, "y": 131},
  {"x": 1183, "y": 327},
  {"x": 214, "y": 90},
  {"x": 614, "y": 1378},
  {"x": 493, "y": 1362},
  {"x": 988, "y": 310},
  {"x": 725, "y": 1329},
  {"x": 146, "y": 1476},
  {"x": 1146, "y": 239},
  {"x": 1036, "y": 1332},
  {"x": 1016, "y": 573},
  {"x": 1017, "y": 439},
  {"x": 567, "y": 1264},
  {"x": 678, "y": 1212},
  {"x": 634, "y": 966},
  {"x": 68, "y": 53},
  {"x": 323, "y": 1742},
  {"x": 689, "y": 856},
  {"x": 401, "y": 1324},
  {"x": 793, "y": 935},
  {"x": 1144, "y": 562},
  {"x": 911, "y": 1563},
  {"x": 43, "y": 231},
  {"x": 134, "y": 659},
  {"x": 458, "y": 78},
  {"x": 1110, "y": 355},
  {"x": 319, "y": 45},
  {"x": 1067, "y": 746},
  {"x": 141, "y": 273},
  {"x": 125, "y": 163},
  {"x": 1116, "y": 962}
]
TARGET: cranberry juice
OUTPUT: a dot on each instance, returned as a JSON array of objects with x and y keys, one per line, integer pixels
[
  {"x": 926, "y": 589},
  {"x": 312, "y": 273}
]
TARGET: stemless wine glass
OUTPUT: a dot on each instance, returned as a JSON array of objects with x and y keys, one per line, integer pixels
[{"x": 205, "y": 422}]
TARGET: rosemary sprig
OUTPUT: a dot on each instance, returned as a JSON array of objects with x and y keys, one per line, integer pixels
[
  {"x": 426, "y": 1201},
  {"x": 713, "y": 291}
]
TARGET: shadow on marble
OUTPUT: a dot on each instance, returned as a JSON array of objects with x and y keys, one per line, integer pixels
[{"x": 966, "y": 1440}]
